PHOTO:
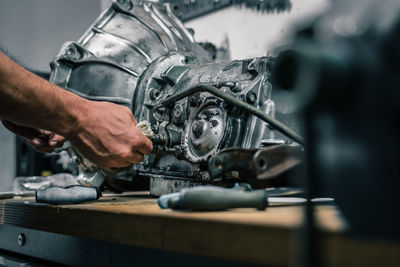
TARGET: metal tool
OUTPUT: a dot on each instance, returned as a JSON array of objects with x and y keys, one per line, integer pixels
[
  {"x": 58, "y": 195},
  {"x": 11, "y": 194},
  {"x": 257, "y": 166},
  {"x": 67, "y": 195},
  {"x": 212, "y": 198}
]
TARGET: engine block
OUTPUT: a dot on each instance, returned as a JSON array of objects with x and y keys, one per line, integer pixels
[{"x": 139, "y": 54}]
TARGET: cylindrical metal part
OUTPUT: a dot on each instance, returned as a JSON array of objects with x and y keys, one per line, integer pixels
[
  {"x": 69, "y": 195},
  {"x": 215, "y": 198}
]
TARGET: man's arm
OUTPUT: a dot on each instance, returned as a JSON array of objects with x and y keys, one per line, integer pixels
[{"x": 103, "y": 132}]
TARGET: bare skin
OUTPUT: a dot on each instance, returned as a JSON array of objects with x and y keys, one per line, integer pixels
[{"x": 47, "y": 115}]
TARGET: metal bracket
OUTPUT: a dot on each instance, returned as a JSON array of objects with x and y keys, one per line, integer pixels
[{"x": 256, "y": 165}]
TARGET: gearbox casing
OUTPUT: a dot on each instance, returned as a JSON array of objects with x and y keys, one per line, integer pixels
[{"x": 136, "y": 55}]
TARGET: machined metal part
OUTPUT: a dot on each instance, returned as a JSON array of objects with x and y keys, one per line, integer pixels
[
  {"x": 12, "y": 194},
  {"x": 206, "y": 198},
  {"x": 139, "y": 54},
  {"x": 241, "y": 195},
  {"x": 67, "y": 195},
  {"x": 241, "y": 104},
  {"x": 204, "y": 132},
  {"x": 257, "y": 166}
]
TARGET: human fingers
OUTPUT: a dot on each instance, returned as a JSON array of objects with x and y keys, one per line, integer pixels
[
  {"x": 120, "y": 160},
  {"x": 45, "y": 133},
  {"x": 59, "y": 138},
  {"x": 41, "y": 140},
  {"x": 25, "y": 132},
  {"x": 134, "y": 157},
  {"x": 113, "y": 162},
  {"x": 41, "y": 145},
  {"x": 56, "y": 140},
  {"x": 131, "y": 115},
  {"x": 47, "y": 144},
  {"x": 134, "y": 120},
  {"x": 46, "y": 141},
  {"x": 143, "y": 144}
]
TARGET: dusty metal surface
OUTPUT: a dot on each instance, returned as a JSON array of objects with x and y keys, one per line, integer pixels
[{"x": 140, "y": 55}]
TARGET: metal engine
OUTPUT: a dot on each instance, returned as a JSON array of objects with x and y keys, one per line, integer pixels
[{"x": 203, "y": 114}]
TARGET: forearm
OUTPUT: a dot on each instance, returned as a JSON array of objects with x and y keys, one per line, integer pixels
[
  {"x": 29, "y": 100},
  {"x": 103, "y": 132}
]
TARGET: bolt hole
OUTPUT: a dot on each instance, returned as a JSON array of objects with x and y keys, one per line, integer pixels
[
  {"x": 218, "y": 164},
  {"x": 262, "y": 163},
  {"x": 21, "y": 239}
]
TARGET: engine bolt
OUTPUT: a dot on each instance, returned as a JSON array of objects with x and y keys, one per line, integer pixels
[
  {"x": 154, "y": 93},
  {"x": 178, "y": 110},
  {"x": 238, "y": 87},
  {"x": 125, "y": 4},
  {"x": 72, "y": 52},
  {"x": 154, "y": 128},
  {"x": 251, "y": 97}
]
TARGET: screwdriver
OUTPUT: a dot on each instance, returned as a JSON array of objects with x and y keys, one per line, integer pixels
[{"x": 213, "y": 198}]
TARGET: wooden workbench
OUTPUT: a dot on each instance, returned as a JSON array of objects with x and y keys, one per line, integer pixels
[{"x": 270, "y": 237}]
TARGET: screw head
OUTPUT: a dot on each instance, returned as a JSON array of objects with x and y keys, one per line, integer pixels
[
  {"x": 75, "y": 160},
  {"x": 154, "y": 94},
  {"x": 237, "y": 87},
  {"x": 21, "y": 239},
  {"x": 72, "y": 52},
  {"x": 178, "y": 110},
  {"x": 125, "y": 3},
  {"x": 251, "y": 97}
]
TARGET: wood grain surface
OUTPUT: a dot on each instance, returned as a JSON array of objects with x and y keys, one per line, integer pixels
[{"x": 270, "y": 237}]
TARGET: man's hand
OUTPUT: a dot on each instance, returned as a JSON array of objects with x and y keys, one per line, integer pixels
[
  {"x": 107, "y": 135},
  {"x": 41, "y": 140},
  {"x": 103, "y": 132}
]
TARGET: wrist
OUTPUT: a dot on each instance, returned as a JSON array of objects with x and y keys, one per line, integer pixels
[{"x": 76, "y": 109}]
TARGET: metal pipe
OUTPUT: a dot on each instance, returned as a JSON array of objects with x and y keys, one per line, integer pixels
[{"x": 236, "y": 102}]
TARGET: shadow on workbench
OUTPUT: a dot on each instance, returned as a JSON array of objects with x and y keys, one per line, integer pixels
[{"x": 39, "y": 248}]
